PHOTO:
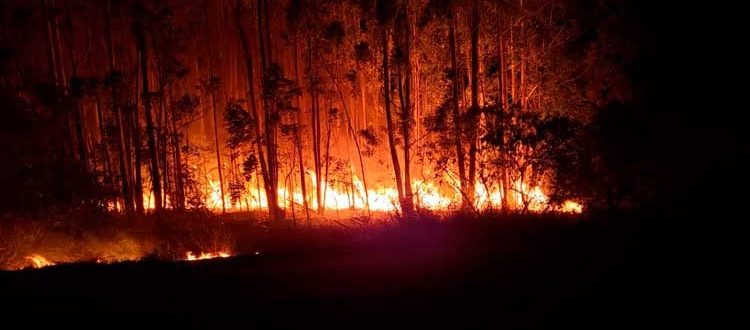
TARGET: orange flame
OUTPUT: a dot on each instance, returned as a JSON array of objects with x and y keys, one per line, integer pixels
[
  {"x": 38, "y": 261},
  {"x": 205, "y": 255},
  {"x": 427, "y": 195}
]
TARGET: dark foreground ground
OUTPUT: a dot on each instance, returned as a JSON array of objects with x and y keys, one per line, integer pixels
[{"x": 515, "y": 273}]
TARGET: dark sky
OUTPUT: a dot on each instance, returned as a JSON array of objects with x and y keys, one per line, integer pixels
[{"x": 686, "y": 80}]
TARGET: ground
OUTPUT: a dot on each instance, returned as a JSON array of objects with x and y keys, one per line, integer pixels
[{"x": 528, "y": 272}]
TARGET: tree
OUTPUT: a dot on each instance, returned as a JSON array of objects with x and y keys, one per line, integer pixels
[
  {"x": 139, "y": 11},
  {"x": 385, "y": 11},
  {"x": 269, "y": 181}
]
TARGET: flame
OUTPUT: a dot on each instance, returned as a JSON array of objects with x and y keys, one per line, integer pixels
[
  {"x": 38, "y": 261},
  {"x": 427, "y": 195},
  {"x": 572, "y": 207},
  {"x": 205, "y": 255}
]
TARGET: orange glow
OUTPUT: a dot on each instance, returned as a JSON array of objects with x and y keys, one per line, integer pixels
[
  {"x": 38, "y": 261},
  {"x": 205, "y": 255},
  {"x": 427, "y": 195},
  {"x": 572, "y": 207}
]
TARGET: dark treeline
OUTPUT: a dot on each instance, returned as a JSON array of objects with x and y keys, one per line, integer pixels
[{"x": 135, "y": 104}]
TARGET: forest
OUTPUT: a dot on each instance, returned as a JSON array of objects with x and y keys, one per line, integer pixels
[
  {"x": 508, "y": 148},
  {"x": 139, "y": 106},
  {"x": 522, "y": 163}
]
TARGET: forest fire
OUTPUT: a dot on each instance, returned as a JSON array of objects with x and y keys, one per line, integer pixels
[
  {"x": 38, "y": 261},
  {"x": 305, "y": 160},
  {"x": 189, "y": 256},
  {"x": 383, "y": 123},
  {"x": 427, "y": 195}
]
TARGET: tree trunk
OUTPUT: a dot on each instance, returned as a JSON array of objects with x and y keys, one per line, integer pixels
[
  {"x": 407, "y": 201},
  {"x": 213, "y": 111},
  {"x": 389, "y": 117},
  {"x": 270, "y": 113},
  {"x": 108, "y": 175},
  {"x": 316, "y": 136},
  {"x": 500, "y": 123},
  {"x": 137, "y": 152},
  {"x": 270, "y": 195},
  {"x": 179, "y": 202},
  {"x": 150, "y": 134},
  {"x": 474, "y": 111},
  {"x": 78, "y": 119},
  {"x": 457, "y": 132},
  {"x": 298, "y": 139},
  {"x": 122, "y": 154},
  {"x": 353, "y": 133}
]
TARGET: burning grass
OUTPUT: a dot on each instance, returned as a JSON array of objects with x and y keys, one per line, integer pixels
[
  {"x": 105, "y": 238},
  {"x": 190, "y": 236}
]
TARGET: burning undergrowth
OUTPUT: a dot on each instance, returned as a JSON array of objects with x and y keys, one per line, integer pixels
[
  {"x": 93, "y": 237},
  {"x": 102, "y": 238}
]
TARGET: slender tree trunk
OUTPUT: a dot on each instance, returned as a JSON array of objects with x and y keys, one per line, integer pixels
[
  {"x": 52, "y": 56},
  {"x": 78, "y": 109},
  {"x": 407, "y": 203},
  {"x": 106, "y": 159},
  {"x": 57, "y": 70},
  {"x": 298, "y": 138},
  {"x": 162, "y": 116},
  {"x": 389, "y": 117},
  {"x": 315, "y": 123},
  {"x": 150, "y": 134},
  {"x": 218, "y": 151},
  {"x": 81, "y": 135},
  {"x": 474, "y": 111},
  {"x": 137, "y": 152},
  {"x": 350, "y": 126},
  {"x": 407, "y": 114},
  {"x": 327, "y": 158},
  {"x": 500, "y": 123},
  {"x": 122, "y": 155},
  {"x": 270, "y": 195},
  {"x": 457, "y": 131},
  {"x": 270, "y": 111},
  {"x": 213, "y": 110},
  {"x": 522, "y": 70},
  {"x": 179, "y": 202},
  {"x": 512, "y": 53}
]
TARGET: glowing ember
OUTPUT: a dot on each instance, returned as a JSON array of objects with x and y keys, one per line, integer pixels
[
  {"x": 38, "y": 261},
  {"x": 206, "y": 255},
  {"x": 572, "y": 207}
]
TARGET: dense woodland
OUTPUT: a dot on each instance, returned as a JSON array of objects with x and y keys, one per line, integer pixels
[{"x": 136, "y": 106}]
